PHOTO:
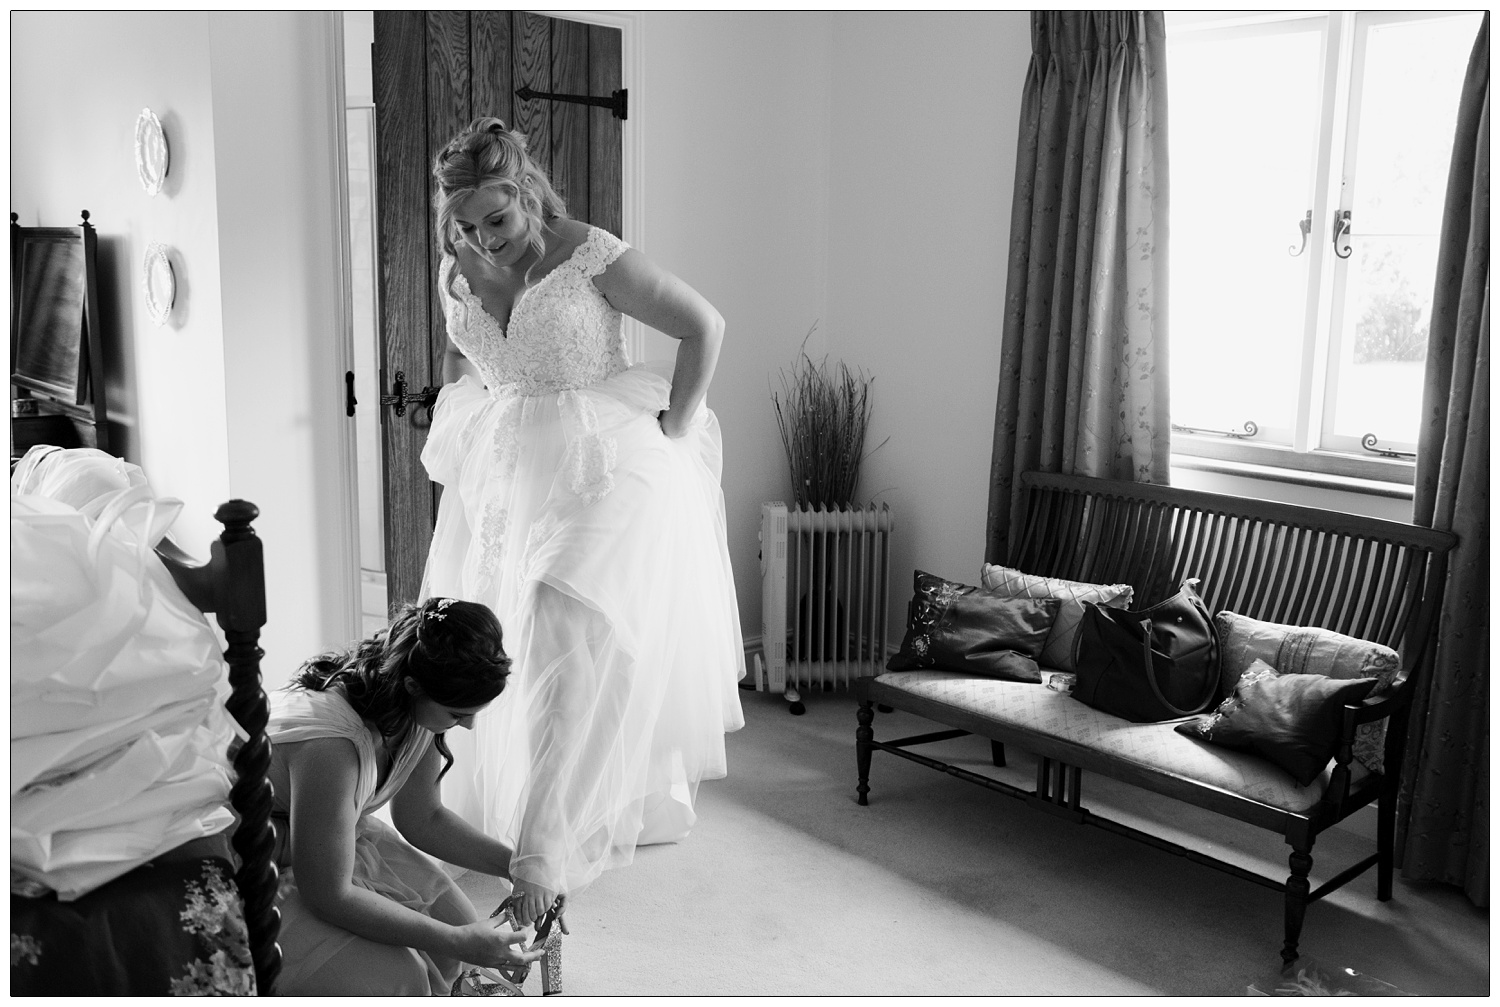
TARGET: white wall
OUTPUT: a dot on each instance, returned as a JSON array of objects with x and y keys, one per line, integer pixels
[
  {"x": 926, "y": 111},
  {"x": 278, "y": 114},
  {"x": 853, "y": 171},
  {"x": 73, "y": 148},
  {"x": 734, "y": 119}
]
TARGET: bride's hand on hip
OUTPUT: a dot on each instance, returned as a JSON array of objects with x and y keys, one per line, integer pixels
[{"x": 671, "y": 422}]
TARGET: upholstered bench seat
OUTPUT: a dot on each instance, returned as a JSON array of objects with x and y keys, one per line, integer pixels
[{"x": 1054, "y": 724}]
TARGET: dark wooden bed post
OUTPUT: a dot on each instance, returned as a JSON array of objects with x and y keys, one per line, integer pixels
[{"x": 241, "y": 612}]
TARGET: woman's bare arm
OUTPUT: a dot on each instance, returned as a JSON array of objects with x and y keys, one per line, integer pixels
[
  {"x": 456, "y": 365},
  {"x": 638, "y": 287},
  {"x": 417, "y": 809},
  {"x": 324, "y": 817}
]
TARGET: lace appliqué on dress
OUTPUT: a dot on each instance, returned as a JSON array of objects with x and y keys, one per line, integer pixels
[
  {"x": 492, "y": 543},
  {"x": 563, "y": 334},
  {"x": 507, "y": 446},
  {"x": 541, "y": 529},
  {"x": 590, "y": 460}
]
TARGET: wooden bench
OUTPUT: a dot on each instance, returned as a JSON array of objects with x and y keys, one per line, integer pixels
[{"x": 1376, "y": 580}]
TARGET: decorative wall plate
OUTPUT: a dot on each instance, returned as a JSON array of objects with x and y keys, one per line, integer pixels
[
  {"x": 151, "y": 155},
  {"x": 160, "y": 283}
]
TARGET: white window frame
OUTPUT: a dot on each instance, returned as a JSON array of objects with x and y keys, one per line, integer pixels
[{"x": 1343, "y": 38}]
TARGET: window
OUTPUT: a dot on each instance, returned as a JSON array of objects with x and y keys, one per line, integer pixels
[{"x": 1309, "y": 162}]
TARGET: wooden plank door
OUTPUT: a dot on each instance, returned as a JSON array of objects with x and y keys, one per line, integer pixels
[{"x": 434, "y": 72}]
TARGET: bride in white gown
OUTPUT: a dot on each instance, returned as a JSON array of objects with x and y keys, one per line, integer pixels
[{"x": 581, "y": 502}]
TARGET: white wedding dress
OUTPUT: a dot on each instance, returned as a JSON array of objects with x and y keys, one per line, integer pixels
[{"x": 599, "y": 542}]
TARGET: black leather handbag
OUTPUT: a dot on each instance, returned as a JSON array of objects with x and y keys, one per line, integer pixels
[{"x": 1157, "y": 664}]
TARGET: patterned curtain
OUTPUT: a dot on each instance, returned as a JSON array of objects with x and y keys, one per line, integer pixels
[
  {"x": 1444, "y": 812},
  {"x": 1083, "y": 360}
]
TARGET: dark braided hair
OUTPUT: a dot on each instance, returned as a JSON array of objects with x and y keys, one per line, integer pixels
[{"x": 452, "y": 649}]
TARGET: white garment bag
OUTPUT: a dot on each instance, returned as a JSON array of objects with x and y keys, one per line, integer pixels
[{"x": 119, "y": 734}]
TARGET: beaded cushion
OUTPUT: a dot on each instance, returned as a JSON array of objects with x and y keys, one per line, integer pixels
[
  {"x": 961, "y": 628},
  {"x": 1293, "y": 720}
]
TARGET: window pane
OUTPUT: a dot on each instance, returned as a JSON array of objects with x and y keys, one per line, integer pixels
[
  {"x": 1243, "y": 145},
  {"x": 1383, "y": 353},
  {"x": 1408, "y": 105},
  {"x": 1413, "y": 72}
]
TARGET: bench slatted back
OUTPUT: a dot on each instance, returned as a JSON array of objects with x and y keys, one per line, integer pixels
[{"x": 1303, "y": 566}]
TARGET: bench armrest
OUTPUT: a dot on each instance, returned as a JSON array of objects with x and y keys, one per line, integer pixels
[{"x": 1366, "y": 711}]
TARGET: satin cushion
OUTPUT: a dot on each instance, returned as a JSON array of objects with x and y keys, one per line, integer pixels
[
  {"x": 959, "y": 627},
  {"x": 1057, "y": 653},
  {"x": 1291, "y": 720}
]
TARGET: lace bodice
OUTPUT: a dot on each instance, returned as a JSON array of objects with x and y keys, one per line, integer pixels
[{"x": 563, "y": 333}]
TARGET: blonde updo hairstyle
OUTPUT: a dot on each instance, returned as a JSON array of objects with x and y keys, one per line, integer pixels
[{"x": 487, "y": 155}]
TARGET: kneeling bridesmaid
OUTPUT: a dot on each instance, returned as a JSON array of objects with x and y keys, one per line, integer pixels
[{"x": 365, "y": 910}]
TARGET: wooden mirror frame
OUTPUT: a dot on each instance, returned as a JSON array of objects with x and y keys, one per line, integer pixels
[{"x": 79, "y": 393}]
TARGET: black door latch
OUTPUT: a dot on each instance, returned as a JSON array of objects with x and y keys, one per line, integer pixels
[{"x": 400, "y": 398}]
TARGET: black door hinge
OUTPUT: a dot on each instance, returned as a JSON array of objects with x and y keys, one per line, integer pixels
[{"x": 617, "y": 102}]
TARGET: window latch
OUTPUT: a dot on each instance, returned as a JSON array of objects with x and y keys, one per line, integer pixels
[
  {"x": 1249, "y": 431},
  {"x": 1305, "y": 226},
  {"x": 1369, "y": 442},
  {"x": 1341, "y": 230}
]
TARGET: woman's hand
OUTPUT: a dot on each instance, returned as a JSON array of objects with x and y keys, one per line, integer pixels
[
  {"x": 535, "y": 901},
  {"x": 485, "y": 943},
  {"x": 671, "y": 423}
]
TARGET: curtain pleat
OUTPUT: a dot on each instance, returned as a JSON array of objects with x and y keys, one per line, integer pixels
[
  {"x": 1083, "y": 363},
  {"x": 1443, "y": 813}
]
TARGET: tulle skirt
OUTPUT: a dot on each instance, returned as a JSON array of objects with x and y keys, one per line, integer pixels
[{"x": 600, "y": 544}]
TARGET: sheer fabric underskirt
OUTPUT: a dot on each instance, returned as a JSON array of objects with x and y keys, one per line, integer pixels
[{"x": 600, "y": 544}]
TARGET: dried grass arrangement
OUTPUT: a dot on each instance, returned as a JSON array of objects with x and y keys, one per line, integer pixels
[{"x": 823, "y": 413}]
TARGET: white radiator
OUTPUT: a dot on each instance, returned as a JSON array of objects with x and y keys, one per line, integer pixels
[{"x": 825, "y": 584}]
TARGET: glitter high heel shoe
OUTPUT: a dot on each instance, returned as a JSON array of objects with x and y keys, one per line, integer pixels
[
  {"x": 472, "y": 983},
  {"x": 507, "y": 980}
]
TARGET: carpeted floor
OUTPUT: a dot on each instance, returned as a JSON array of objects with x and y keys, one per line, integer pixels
[{"x": 787, "y": 887}]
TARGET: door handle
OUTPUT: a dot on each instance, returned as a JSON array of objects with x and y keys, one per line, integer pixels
[{"x": 400, "y": 398}]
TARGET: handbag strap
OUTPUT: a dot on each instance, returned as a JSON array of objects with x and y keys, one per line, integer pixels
[{"x": 1211, "y": 680}]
